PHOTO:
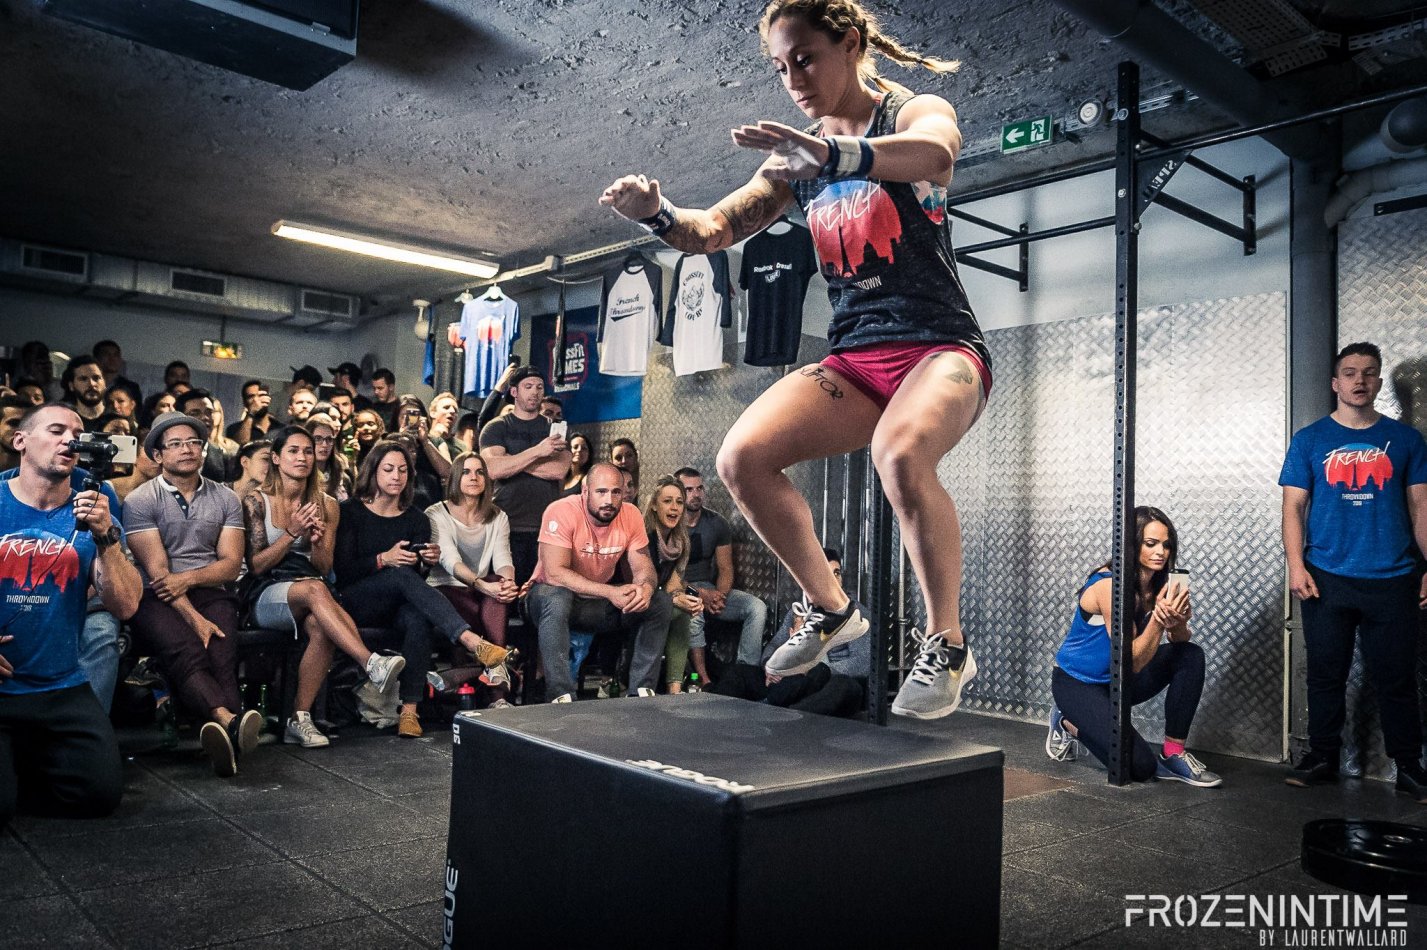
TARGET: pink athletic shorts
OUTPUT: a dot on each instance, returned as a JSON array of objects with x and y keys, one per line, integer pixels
[{"x": 879, "y": 368}]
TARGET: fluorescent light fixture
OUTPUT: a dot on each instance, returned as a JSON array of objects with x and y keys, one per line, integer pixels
[{"x": 404, "y": 253}]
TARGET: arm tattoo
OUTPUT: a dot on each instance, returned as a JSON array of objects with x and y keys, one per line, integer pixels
[
  {"x": 752, "y": 208},
  {"x": 253, "y": 508},
  {"x": 747, "y": 211}
]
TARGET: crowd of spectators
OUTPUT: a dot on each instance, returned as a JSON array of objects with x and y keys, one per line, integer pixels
[{"x": 413, "y": 539}]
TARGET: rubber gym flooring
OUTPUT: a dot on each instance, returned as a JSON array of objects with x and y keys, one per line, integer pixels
[{"x": 345, "y": 846}]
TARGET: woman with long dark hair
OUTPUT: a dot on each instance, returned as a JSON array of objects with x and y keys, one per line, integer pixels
[
  {"x": 383, "y": 550},
  {"x": 909, "y": 371},
  {"x": 291, "y": 531},
  {"x": 1163, "y": 658},
  {"x": 474, "y": 570}
]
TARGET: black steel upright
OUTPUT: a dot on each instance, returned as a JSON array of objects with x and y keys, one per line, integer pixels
[
  {"x": 1124, "y": 557},
  {"x": 881, "y": 574}
]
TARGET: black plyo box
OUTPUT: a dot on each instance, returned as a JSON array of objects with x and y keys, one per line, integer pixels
[{"x": 702, "y": 821}]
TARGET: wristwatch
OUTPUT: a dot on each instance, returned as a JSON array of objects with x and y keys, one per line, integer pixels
[{"x": 110, "y": 537}]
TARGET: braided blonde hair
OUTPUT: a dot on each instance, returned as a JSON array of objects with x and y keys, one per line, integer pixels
[{"x": 835, "y": 18}]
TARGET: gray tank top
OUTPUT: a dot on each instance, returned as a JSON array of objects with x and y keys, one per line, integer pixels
[{"x": 301, "y": 545}]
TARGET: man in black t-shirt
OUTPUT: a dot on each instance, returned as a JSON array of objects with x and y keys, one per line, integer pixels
[{"x": 528, "y": 465}]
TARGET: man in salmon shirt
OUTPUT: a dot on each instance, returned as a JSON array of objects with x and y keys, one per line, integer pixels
[{"x": 582, "y": 540}]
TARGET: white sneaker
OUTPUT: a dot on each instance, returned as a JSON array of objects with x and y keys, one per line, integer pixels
[
  {"x": 1060, "y": 745},
  {"x": 302, "y": 731},
  {"x": 383, "y": 670},
  {"x": 563, "y": 698},
  {"x": 933, "y": 689},
  {"x": 642, "y": 692}
]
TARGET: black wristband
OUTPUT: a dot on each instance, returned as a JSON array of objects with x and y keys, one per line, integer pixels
[{"x": 661, "y": 221}]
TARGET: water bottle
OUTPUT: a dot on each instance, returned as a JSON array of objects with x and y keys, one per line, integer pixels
[
  {"x": 695, "y": 684},
  {"x": 164, "y": 717},
  {"x": 263, "y": 707},
  {"x": 466, "y": 696}
]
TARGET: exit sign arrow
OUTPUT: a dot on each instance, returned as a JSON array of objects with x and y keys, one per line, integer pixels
[{"x": 1028, "y": 133}]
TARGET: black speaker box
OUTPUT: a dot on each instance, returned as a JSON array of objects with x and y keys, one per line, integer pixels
[{"x": 703, "y": 821}]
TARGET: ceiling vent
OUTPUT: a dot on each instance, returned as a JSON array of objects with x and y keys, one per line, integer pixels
[
  {"x": 124, "y": 280},
  {"x": 54, "y": 263},
  {"x": 191, "y": 282},
  {"x": 318, "y": 303}
]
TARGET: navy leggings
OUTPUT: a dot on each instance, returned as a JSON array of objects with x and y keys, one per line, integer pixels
[{"x": 1179, "y": 666}]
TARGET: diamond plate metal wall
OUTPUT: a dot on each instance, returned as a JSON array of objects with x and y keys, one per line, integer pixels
[
  {"x": 1032, "y": 483},
  {"x": 684, "y": 421},
  {"x": 1382, "y": 298}
]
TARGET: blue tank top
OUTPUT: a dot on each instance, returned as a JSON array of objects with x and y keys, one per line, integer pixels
[
  {"x": 44, "y": 580},
  {"x": 1085, "y": 652},
  {"x": 885, "y": 249}
]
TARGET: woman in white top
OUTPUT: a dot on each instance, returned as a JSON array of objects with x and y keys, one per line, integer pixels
[{"x": 474, "y": 571}]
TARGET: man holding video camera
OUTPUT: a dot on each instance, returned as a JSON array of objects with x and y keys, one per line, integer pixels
[{"x": 58, "y": 754}]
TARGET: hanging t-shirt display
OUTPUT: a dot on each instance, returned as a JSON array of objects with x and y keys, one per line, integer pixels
[
  {"x": 701, "y": 309},
  {"x": 488, "y": 326},
  {"x": 775, "y": 273},
  {"x": 630, "y": 303}
]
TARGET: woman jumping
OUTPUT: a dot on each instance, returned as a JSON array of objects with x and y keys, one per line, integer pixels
[{"x": 909, "y": 372}]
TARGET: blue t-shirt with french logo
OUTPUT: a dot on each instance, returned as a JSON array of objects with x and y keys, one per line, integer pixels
[
  {"x": 45, "y": 566},
  {"x": 1359, "y": 524}
]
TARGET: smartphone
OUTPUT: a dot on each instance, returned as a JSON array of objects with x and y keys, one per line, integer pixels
[
  {"x": 692, "y": 591},
  {"x": 1180, "y": 578},
  {"x": 559, "y": 428}
]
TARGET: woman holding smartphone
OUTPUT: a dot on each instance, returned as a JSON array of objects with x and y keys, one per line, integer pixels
[
  {"x": 1163, "y": 658},
  {"x": 669, "y": 546},
  {"x": 383, "y": 550}
]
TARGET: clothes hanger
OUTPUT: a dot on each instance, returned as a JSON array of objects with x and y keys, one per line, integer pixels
[
  {"x": 465, "y": 296},
  {"x": 494, "y": 293},
  {"x": 782, "y": 219}
]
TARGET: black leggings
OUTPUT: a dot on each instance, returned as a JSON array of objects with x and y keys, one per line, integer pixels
[
  {"x": 1086, "y": 706},
  {"x": 399, "y": 597}
]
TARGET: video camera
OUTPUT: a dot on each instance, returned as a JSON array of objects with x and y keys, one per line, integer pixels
[{"x": 99, "y": 452}]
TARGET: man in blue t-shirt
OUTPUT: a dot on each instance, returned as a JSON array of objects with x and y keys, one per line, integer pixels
[
  {"x": 1354, "y": 502},
  {"x": 57, "y": 750}
]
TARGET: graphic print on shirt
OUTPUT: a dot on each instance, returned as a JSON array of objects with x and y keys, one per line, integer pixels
[
  {"x": 34, "y": 566},
  {"x": 577, "y": 361},
  {"x": 1358, "y": 468},
  {"x": 856, "y": 230}
]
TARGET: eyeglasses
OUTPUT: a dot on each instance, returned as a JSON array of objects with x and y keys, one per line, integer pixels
[
  {"x": 324, "y": 440},
  {"x": 177, "y": 444}
]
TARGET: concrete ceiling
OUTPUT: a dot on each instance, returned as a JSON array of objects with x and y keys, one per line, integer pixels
[{"x": 490, "y": 125}]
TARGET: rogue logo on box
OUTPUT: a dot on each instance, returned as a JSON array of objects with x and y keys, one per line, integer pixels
[{"x": 448, "y": 908}]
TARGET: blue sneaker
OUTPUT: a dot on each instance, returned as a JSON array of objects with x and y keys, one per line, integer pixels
[
  {"x": 1060, "y": 745},
  {"x": 1186, "y": 768}
]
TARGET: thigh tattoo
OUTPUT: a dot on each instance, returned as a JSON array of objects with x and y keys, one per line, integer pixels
[{"x": 824, "y": 381}]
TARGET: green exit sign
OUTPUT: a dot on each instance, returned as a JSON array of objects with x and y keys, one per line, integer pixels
[{"x": 1027, "y": 133}]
